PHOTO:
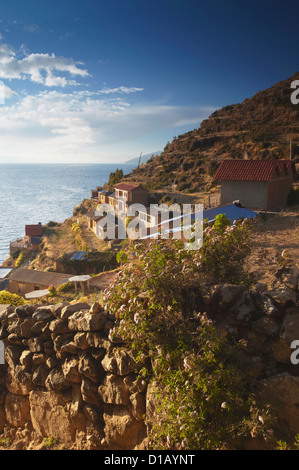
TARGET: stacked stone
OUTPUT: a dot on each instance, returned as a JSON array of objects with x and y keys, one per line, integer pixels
[{"x": 64, "y": 378}]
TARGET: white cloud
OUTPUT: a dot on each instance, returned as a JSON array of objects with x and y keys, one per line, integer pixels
[
  {"x": 56, "y": 126},
  {"x": 46, "y": 69}
]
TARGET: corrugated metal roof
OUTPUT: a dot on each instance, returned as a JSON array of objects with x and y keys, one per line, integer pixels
[
  {"x": 41, "y": 278},
  {"x": 79, "y": 255},
  {"x": 253, "y": 170},
  {"x": 231, "y": 211},
  {"x": 33, "y": 230}
]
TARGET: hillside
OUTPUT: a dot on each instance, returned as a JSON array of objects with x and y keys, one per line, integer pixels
[{"x": 260, "y": 127}]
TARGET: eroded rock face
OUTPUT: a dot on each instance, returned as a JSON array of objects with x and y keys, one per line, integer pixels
[{"x": 66, "y": 375}]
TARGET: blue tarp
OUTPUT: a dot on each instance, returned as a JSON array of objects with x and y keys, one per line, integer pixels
[
  {"x": 79, "y": 255},
  {"x": 232, "y": 212}
]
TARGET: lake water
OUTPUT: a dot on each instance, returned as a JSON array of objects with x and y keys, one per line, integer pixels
[{"x": 39, "y": 193}]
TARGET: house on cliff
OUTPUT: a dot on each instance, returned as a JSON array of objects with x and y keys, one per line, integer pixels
[{"x": 257, "y": 184}]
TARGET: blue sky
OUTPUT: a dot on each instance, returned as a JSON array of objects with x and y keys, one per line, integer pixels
[{"x": 103, "y": 80}]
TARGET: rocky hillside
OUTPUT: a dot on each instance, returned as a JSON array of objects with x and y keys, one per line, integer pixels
[{"x": 260, "y": 127}]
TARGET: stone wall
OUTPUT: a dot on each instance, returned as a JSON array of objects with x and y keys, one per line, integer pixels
[{"x": 65, "y": 377}]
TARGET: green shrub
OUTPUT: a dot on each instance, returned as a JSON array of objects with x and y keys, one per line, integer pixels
[
  {"x": 21, "y": 258},
  {"x": 66, "y": 287},
  {"x": 11, "y": 299}
]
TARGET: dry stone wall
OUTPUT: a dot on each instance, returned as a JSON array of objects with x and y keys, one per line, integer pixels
[{"x": 64, "y": 376}]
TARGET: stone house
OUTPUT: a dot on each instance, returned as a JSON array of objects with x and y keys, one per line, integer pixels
[
  {"x": 23, "y": 281},
  {"x": 257, "y": 184}
]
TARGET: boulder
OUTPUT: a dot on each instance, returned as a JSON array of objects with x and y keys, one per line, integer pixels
[
  {"x": 83, "y": 320},
  {"x": 122, "y": 430},
  {"x": 50, "y": 416},
  {"x": 281, "y": 392},
  {"x": 68, "y": 310},
  {"x": 114, "y": 390},
  {"x": 17, "y": 410}
]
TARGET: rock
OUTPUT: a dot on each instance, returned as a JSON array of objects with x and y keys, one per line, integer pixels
[
  {"x": 114, "y": 390},
  {"x": 226, "y": 295},
  {"x": 89, "y": 391},
  {"x": 43, "y": 313},
  {"x": 70, "y": 370},
  {"x": 281, "y": 392},
  {"x": 268, "y": 306},
  {"x": 120, "y": 361},
  {"x": 70, "y": 309},
  {"x": 92, "y": 413},
  {"x": 138, "y": 405},
  {"x": 80, "y": 341},
  {"x": 56, "y": 381},
  {"x": 89, "y": 367},
  {"x": 17, "y": 410},
  {"x": 59, "y": 326},
  {"x": 290, "y": 325},
  {"x": 243, "y": 308},
  {"x": 83, "y": 320},
  {"x": 50, "y": 416},
  {"x": 95, "y": 308},
  {"x": 266, "y": 326},
  {"x": 57, "y": 308},
  {"x": 76, "y": 409},
  {"x": 40, "y": 375},
  {"x": 283, "y": 295},
  {"x": 2, "y": 418},
  {"x": 19, "y": 381},
  {"x": 122, "y": 430},
  {"x": 289, "y": 276}
]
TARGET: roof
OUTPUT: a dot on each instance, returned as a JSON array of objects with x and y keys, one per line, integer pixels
[
  {"x": 129, "y": 187},
  {"x": 254, "y": 170},
  {"x": 35, "y": 240},
  {"x": 232, "y": 212},
  {"x": 92, "y": 215},
  {"x": 34, "y": 230},
  {"x": 41, "y": 278},
  {"x": 79, "y": 255}
]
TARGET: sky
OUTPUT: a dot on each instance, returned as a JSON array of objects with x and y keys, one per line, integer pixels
[{"x": 101, "y": 81}]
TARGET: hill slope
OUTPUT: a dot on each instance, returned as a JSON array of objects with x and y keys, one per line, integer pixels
[{"x": 260, "y": 127}]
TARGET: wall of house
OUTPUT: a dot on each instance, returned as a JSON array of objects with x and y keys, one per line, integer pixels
[
  {"x": 278, "y": 191},
  {"x": 22, "y": 288},
  {"x": 252, "y": 194}
]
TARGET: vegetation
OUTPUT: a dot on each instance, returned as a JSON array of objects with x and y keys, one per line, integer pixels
[
  {"x": 204, "y": 401},
  {"x": 21, "y": 258},
  {"x": 11, "y": 299},
  {"x": 115, "y": 177}
]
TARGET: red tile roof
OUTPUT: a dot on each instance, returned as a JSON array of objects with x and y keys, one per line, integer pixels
[
  {"x": 128, "y": 186},
  {"x": 253, "y": 170},
  {"x": 33, "y": 230}
]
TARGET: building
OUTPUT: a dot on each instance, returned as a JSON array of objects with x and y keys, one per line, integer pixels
[
  {"x": 257, "y": 184},
  {"x": 31, "y": 241},
  {"x": 23, "y": 281},
  {"x": 131, "y": 194}
]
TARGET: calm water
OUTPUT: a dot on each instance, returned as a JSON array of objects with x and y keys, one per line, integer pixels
[{"x": 39, "y": 193}]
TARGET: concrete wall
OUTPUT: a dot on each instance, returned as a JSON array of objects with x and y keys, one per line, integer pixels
[
  {"x": 265, "y": 195},
  {"x": 252, "y": 194}
]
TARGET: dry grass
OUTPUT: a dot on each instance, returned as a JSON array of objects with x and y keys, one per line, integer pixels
[{"x": 270, "y": 238}]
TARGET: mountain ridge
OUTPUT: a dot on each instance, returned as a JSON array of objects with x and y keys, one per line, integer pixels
[{"x": 261, "y": 127}]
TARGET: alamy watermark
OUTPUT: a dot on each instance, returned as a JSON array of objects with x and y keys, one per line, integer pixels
[
  {"x": 119, "y": 221},
  {"x": 295, "y": 94},
  {"x": 2, "y": 353}
]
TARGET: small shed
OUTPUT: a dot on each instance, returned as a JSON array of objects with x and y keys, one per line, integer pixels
[{"x": 257, "y": 184}]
